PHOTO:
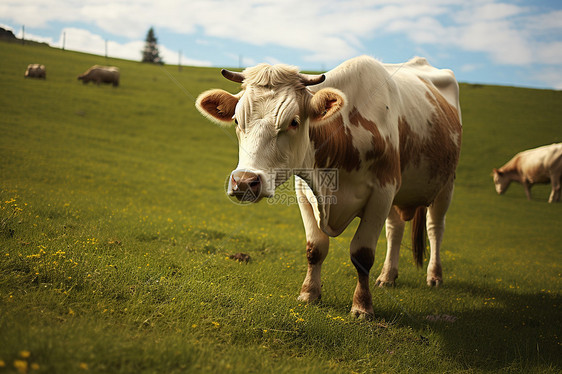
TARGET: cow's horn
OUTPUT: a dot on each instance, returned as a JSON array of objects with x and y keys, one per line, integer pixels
[
  {"x": 311, "y": 80},
  {"x": 233, "y": 76}
]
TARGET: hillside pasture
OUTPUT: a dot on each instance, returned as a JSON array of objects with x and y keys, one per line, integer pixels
[{"x": 115, "y": 236}]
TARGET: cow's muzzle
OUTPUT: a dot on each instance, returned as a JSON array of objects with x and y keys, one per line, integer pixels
[{"x": 246, "y": 186}]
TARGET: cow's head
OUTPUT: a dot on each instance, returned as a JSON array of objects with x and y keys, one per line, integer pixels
[
  {"x": 272, "y": 113},
  {"x": 501, "y": 181}
]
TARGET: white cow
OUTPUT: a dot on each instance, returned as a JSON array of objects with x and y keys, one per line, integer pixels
[
  {"x": 101, "y": 74},
  {"x": 538, "y": 165},
  {"x": 391, "y": 133}
]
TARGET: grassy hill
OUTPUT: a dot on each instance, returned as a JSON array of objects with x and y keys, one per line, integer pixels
[{"x": 115, "y": 234}]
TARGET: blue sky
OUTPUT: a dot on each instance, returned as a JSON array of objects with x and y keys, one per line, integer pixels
[{"x": 510, "y": 42}]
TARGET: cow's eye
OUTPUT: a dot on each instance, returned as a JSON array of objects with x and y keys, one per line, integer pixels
[
  {"x": 236, "y": 121},
  {"x": 294, "y": 124}
]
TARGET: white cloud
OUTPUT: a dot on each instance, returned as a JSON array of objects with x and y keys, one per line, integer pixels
[
  {"x": 6, "y": 27},
  {"x": 508, "y": 34},
  {"x": 488, "y": 12},
  {"x": 35, "y": 38},
  {"x": 172, "y": 57},
  {"x": 547, "y": 22},
  {"x": 27, "y": 36},
  {"x": 552, "y": 77},
  {"x": 470, "y": 67},
  {"x": 240, "y": 60},
  {"x": 327, "y": 32},
  {"x": 499, "y": 39},
  {"x": 84, "y": 41}
]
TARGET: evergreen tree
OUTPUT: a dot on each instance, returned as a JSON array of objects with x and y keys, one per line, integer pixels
[{"x": 150, "y": 52}]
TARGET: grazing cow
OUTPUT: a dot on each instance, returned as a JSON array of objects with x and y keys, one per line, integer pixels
[
  {"x": 538, "y": 165},
  {"x": 390, "y": 132},
  {"x": 101, "y": 74},
  {"x": 36, "y": 71}
]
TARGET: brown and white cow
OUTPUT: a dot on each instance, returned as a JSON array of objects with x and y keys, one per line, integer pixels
[
  {"x": 101, "y": 74},
  {"x": 538, "y": 165},
  {"x": 391, "y": 131},
  {"x": 35, "y": 71}
]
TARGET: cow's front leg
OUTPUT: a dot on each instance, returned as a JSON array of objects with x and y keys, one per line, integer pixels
[
  {"x": 362, "y": 252},
  {"x": 317, "y": 244},
  {"x": 394, "y": 234},
  {"x": 527, "y": 187},
  {"x": 312, "y": 286},
  {"x": 555, "y": 183}
]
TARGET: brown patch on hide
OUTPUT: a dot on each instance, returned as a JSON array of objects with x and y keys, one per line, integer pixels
[
  {"x": 444, "y": 123},
  {"x": 333, "y": 146},
  {"x": 363, "y": 260},
  {"x": 312, "y": 253},
  {"x": 411, "y": 146},
  {"x": 439, "y": 147},
  {"x": 383, "y": 157}
]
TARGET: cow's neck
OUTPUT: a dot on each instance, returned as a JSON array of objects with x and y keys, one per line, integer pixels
[
  {"x": 512, "y": 170},
  {"x": 513, "y": 175},
  {"x": 309, "y": 169}
]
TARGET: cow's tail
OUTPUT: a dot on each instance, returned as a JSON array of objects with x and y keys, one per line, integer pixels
[{"x": 418, "y": 235}]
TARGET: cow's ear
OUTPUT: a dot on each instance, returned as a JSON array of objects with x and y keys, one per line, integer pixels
[
  {"x": 325, "y": 104},
  {"x": 217, "y": 105}
]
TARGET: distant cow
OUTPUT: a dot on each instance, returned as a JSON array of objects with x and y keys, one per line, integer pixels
[
  {"x": 36, "y": 71},
  {"x": 539, "y": 165},
  {"x": 101, "y": 74}
]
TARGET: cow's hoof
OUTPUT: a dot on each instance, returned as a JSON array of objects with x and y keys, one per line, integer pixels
[
  {"x": 384, "y": 283},
  {"x": 387, "y": 278},
  {"x": 362, "y": 315},
  {"x": 309, "y": 297},
  {"x": 434, "y": 282}
]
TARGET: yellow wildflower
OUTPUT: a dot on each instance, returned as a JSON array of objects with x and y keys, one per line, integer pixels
[
  {"x": 25, "y": 354},
  {"x": 21, "y": 366}
]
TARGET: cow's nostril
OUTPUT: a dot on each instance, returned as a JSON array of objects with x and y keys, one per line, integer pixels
[{"x": 255, "y": 183}]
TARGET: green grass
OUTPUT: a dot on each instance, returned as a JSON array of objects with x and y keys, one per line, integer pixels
[{"x": 115, "y": 234}]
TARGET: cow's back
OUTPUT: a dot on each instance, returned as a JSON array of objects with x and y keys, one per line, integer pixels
[
  {"x": 408, "y": 73},
  {"x": 537, "y": 164}
]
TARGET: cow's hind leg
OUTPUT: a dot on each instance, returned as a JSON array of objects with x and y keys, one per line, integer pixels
[
  {"x": 435, "y": 229},
  {"x": 394, "y": 234},
  {"x": 317, "y": 244}
]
